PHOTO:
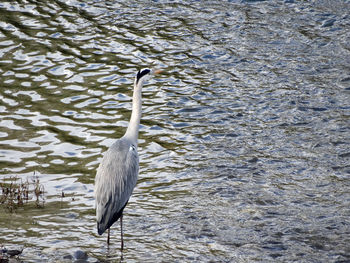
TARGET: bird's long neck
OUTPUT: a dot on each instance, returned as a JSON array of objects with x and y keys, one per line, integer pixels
[{"x": 132, "y": 132}]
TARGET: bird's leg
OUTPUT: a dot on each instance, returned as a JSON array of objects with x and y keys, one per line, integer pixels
[
  {"x": 108, "y": 236},
  {"x": 121, "y": 232}
]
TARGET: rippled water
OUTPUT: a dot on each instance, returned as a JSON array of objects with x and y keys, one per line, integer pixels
[{"x": 244, "y": 141}]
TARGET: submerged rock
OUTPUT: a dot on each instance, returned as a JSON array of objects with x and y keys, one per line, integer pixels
[
  {"x": 14, "y": 252},
  {"x": 79, "y": 254},
  {"x": 68, "y": 257},
  {"x": 11, "y": 252},
  {"x": 81, "y": 261}
]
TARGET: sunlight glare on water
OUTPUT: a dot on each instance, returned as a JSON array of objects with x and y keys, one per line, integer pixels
[{"x": 244, "y": 140}]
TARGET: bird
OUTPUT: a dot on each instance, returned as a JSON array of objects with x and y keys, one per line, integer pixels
[{"x": 117, "y": 173}]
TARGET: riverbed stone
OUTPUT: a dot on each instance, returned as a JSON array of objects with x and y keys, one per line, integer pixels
[{"x": 79, "y": 254}]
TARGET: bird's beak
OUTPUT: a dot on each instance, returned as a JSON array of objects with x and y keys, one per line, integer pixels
[{"x": 157, "y": 71}]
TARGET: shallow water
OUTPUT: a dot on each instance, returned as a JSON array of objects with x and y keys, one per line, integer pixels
[{"x": 244, "y": 140}]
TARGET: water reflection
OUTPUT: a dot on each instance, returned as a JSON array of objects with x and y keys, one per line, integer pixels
[{"x": 244, "y": 141}]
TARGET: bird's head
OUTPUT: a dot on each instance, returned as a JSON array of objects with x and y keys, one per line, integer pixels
[{"x": 145, "y": 74}]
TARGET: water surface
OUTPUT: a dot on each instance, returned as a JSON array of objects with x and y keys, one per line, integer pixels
[{"x": 244, "y": 140}]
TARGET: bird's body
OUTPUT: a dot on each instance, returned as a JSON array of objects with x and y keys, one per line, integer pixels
[
  {"x": 117, "y": 173},
  {"x": 115, "y": 183}
]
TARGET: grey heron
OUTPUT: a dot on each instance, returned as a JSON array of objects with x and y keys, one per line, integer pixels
[{"x": 117, "y": 173}]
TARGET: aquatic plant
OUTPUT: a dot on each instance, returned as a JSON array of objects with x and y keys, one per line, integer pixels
[{"x": 15, "y": 192}]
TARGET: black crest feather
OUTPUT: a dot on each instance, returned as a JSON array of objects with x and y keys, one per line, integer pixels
[{"x": 142, "y": 73}]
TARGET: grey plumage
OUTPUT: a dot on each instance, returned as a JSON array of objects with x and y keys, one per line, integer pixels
[
  {"x": 115, "y": 183},
  {"x": 117, "y": 173}
]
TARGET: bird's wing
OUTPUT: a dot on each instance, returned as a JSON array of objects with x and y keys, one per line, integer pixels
[{"x": 115, "y": 180}]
